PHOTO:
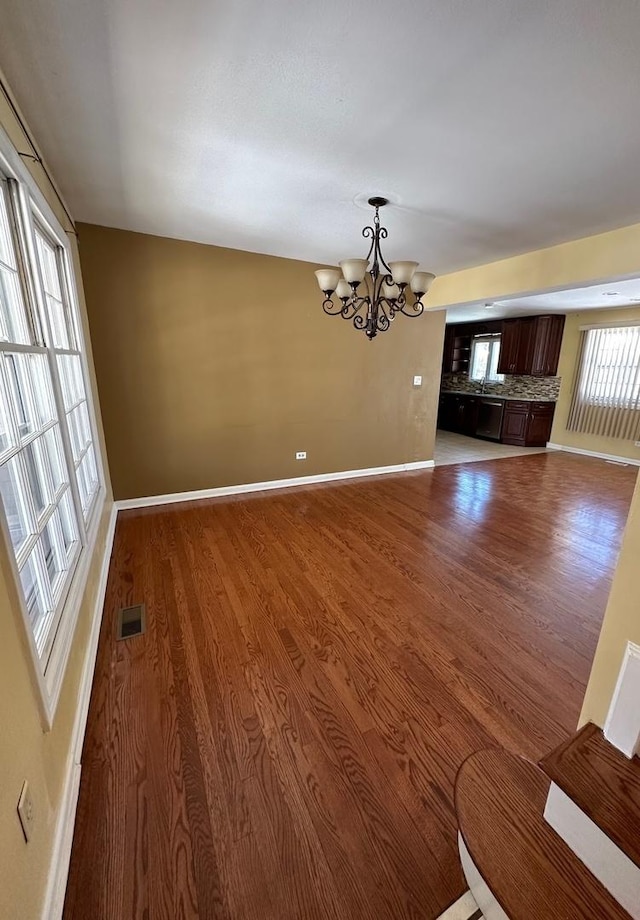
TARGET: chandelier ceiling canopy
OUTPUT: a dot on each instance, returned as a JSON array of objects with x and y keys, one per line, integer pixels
[{"x": 370, "y": 291}]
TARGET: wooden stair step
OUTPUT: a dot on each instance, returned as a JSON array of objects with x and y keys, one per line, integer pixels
[
  {"x": 531, "y": 871},
  {"x": 603, "y": 783}
]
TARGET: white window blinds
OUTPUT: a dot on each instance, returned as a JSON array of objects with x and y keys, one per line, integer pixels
[{"x": 606, "y": 395}]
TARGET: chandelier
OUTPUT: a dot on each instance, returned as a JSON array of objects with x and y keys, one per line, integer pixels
[{"x": 373, "y": 307}]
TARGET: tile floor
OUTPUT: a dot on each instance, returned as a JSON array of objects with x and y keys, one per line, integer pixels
[{"x": 457, "y": 448}]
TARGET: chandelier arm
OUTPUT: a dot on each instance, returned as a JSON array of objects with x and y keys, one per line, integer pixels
[
  {"x": 363, "y": 323},
  {"x": 377, "y": 281},
  {"x": 382, "y": 320},
  {"x": 352, "y": 307},
  {"x": 417, "y": 309},
  {"x": 330, "y": 308},
  {"x": 370, "y": 232},
  {"x": 392, "y": 306},
  {"x": 382, "y": 235}
]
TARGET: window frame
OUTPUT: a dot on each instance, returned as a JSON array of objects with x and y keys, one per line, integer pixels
[
  {"x": 493, "y": 339},
  {"x": 29, "y": 208}
]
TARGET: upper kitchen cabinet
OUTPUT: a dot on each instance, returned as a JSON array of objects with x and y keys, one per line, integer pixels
[
  {"x": 546, "y": 348},
  {"x": 457, "y": 349},
  {"x": 531, "y": 345},
  {"x": 457, "y": 344},
  {"x": 516, "y": 346}
]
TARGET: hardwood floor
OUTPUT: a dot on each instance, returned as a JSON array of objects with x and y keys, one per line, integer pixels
[
  {"x": 531, "y": 870},
  {"x": 283, "y": 740},
  {"x": 586, "y": 762}
]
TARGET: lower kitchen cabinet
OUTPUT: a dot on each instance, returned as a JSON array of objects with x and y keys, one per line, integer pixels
[
  {"x": 524, "y": 423},
  {"x": 458, "y": 412},
  {"x": 527, "y": 424},
  {"x": 514, "y": 422}
]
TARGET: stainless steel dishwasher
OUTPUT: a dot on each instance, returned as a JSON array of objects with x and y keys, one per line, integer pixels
[{"x": 489, "y": 424}]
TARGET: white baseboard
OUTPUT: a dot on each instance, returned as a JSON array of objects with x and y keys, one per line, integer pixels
[
  {"x": 599, "y": 853},
  {"x": 63, "y": 837},
  {"x": 170, "y": 498},
  {"x": 593, "y": 453}
]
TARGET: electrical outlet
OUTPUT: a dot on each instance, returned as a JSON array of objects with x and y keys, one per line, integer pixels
[
  {"x": 301, "y": 455},
  {"x": 26, "y": 811},
  {"x": 637, "y": 443},
  {"x": 417, "y": 381}
]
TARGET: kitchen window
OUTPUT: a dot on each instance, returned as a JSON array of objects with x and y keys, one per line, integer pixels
[
  {"x": 485, "y": 353},
  {"x": 50, "y": 479}
]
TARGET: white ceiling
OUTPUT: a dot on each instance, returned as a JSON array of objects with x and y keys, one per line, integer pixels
[
  {"x": 497, "y": 126},
  {"x": 611, "y": 295}
]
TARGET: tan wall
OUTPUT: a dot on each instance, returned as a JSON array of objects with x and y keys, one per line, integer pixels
[
  {"x": 590, "y": 260},
  {"x": 26, "y": 752},
  {"x": 566, "y": 370},
  {"x": 215, "y": 366},
  {"x": 621, "y": 622}
]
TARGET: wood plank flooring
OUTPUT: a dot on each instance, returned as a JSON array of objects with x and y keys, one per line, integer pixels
[
  {"x": 587, "y": 762},
  {"x": 500, "y": 801},
  {"x": 283, "y": 740}
]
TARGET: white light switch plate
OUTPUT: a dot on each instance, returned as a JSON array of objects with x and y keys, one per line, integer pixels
[{"x": 417, "y": 381}]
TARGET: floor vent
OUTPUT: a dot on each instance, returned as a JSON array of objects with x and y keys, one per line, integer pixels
[{"x": 131, "y": 622}]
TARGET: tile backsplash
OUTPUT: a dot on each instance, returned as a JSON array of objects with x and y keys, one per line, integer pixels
[{"x": 533, "y": 387}]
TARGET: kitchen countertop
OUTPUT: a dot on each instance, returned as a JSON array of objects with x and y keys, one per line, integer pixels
[{"x": 501, "y": 396}]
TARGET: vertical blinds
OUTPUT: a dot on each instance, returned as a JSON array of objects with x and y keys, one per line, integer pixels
[{"x": 606, "y": 394}]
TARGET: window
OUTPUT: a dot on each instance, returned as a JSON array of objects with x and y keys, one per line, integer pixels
[
  {"x": 606, "y": 397},
  {"x": 64, "y": 338},
  {"x": 49, "y": 475},
  {"x": 611, "y": 366},
  {"x": 485, "y": 352}
]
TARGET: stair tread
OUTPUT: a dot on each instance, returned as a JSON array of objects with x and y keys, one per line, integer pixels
[
  {"x": 603, "y": 783},
  {"x": 531, "y": 871}
]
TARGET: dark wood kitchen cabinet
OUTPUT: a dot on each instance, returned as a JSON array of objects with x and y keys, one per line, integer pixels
[
  {"x": 527, "y": 424},
  {"x": 457, "y": 350},
  {"x": 514, "y": 422},
  {"x": 458, "y": 340},
  {"x": 531, "y": 345},
  {"x": 457, "y": 412},
  {"x": 546, "y": 346},
  {"x": 516, "y": 346}
]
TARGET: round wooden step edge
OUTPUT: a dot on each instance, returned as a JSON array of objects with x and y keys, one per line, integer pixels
[{"x": 575, "y": 893}]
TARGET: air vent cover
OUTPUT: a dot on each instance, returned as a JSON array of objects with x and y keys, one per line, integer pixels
[{"x": 131, "y": 622}]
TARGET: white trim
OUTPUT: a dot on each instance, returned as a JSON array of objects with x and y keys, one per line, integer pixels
[
  {"x": 482, "y": 894},
  {"x": 31, "y": 204},
  {"x": 57, "y": 663},
  {"x": 599, "y": 853},
  {"x": 462, "y": 909},
  {"x": 172, "y": 497},
  {"x": 63, "y": 837},
  {"x": 622, "y": 726},
  {"x": 593, "y": 453},
  {"x": 33, "y": 658},
  {"x": 609, "y": 325}
]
